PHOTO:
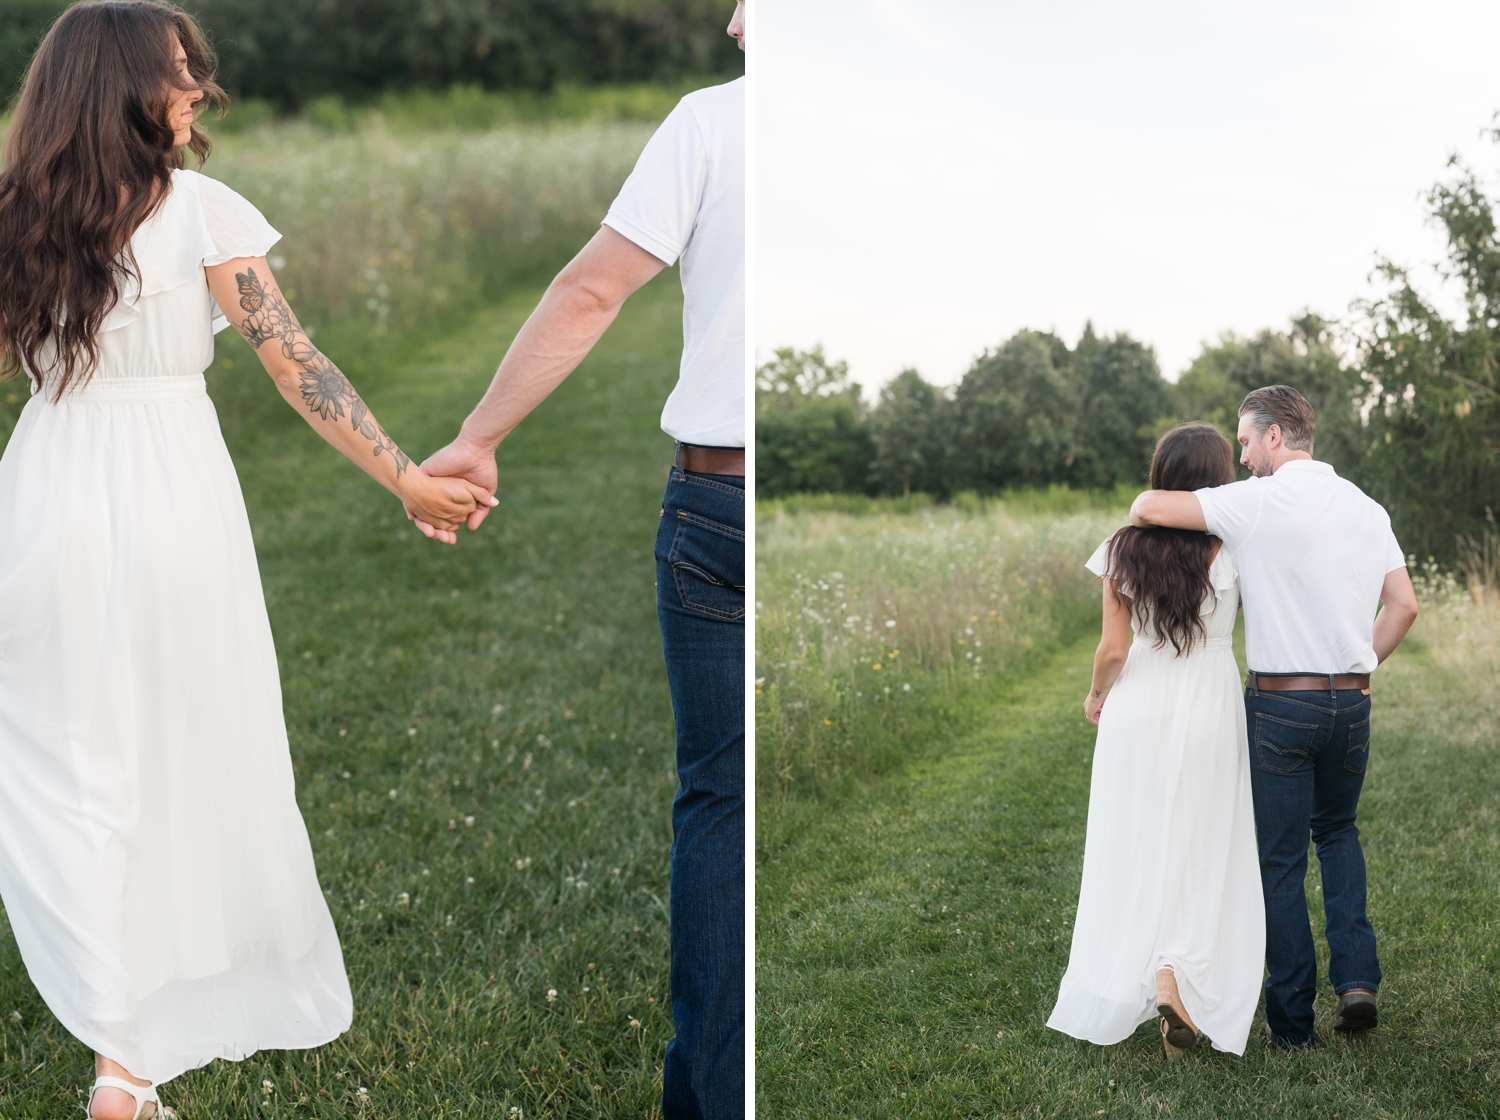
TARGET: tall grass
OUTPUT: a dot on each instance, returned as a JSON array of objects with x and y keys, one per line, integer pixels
[
  {"x": 867, "y": 627},
  {"x": 386, "y": 231}
]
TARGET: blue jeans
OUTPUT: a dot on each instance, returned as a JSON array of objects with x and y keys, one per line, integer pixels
[
  {"x": 1308, "y": 752},
  {"x": 700, "y": 601}
]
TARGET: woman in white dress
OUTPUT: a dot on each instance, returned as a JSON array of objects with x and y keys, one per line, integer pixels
[
  {"x": 153, "y": 862},
  {"x": 1170, "y": 912}
]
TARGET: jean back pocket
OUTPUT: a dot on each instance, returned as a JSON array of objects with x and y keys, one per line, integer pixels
[
  {"x": 1283, "y": 745},
  {"x": 707, "y": 559}
]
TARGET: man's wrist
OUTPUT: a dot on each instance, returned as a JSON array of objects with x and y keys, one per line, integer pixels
[{"x": 476, "y": 443}]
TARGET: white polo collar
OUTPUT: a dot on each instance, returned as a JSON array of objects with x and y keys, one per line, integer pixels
[{"x": 1306, "y": 465}]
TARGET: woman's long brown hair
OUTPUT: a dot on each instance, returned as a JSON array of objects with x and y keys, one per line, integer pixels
[
  {"x": 1164, "y": 572},
  {"x": 89, "y": 157}
]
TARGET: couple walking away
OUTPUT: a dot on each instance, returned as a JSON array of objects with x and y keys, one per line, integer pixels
[
  {"x": 153, "y": 862},
  {"x": 1202, "y": 800}
]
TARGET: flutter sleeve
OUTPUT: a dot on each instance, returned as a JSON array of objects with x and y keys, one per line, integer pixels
[
  {"x": 1098, "y": 563},
  {"x": 234, "y": 228}
]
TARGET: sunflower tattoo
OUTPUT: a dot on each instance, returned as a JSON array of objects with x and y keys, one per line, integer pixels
[{"x": 325, "y": 389}]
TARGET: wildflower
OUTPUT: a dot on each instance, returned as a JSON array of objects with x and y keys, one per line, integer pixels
[
  {"x": 523, "y": 864},
  {"x": 906, "y": 688},
  {"x": 635, "y": 1024},
  {"x": 393, "y": 795},
  {"x": 497, "y": 709},
  {"x": 542, "y": 740},
  {"x": 876, "y": 666},
  {"x": 890, "y": 624},
  {"x": 266, "y": 1086},
  {"x": 516, "y": 1112},
  {"x": 526, "y": 763},
  {"x": 363, "y": 1092},
  {"x": 551, "y": 995},
  {"x": 470, "y": 879},
  {"x": 452, "y": 823},
  {"x": 345, "y": 775},
  {"x": 403, "y": 899},
  {"x": 468, "y": 822},
  {"x": 411, "y": 730},
  {"x": 342, "y": 732}
]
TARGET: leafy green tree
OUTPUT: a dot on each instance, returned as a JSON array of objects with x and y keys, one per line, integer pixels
[
  {"x": 811, "y": 433},
  {"x": 22, "y": 25},
  {"x": 1016, "y": 415},
  {"x": 1304, "y": 357},
  {"x": 291, "y": 53},
  {"x": 912, "y": 430},
  {"x": 1122, "y": 396},
  {"x": 1429, "y": 449}
]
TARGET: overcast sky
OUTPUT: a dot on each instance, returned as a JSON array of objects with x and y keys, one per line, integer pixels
[{"x": 933, "y": 175}]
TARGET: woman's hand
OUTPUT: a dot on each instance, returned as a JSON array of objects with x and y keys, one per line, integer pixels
[
  {"x": 443, "y": 503},
  {"x": 1093, "y": 704}
]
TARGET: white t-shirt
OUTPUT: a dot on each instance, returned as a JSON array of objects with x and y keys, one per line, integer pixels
[
  {"x": 1313, "y": 551},
  {"x": 686, "y": 198}
]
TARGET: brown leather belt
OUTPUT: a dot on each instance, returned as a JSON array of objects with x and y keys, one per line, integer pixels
[
  {"x": 1260, "y": 682},
  {"x": 712, "y": 460}
]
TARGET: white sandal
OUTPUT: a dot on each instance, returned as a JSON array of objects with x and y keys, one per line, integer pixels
[{"x": 143, "y": 1094}]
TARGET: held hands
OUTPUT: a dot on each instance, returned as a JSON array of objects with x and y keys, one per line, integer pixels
[
  {"x": 460, "y": 464},
  {"x": 440, "y": 505},
  {"x": 1093, "y": 705}
]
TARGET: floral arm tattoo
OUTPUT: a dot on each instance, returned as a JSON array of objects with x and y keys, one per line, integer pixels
[{"x": 325, "y": 389}]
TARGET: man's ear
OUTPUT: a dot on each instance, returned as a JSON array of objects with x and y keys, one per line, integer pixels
[{"x": 1273, "y": 437}]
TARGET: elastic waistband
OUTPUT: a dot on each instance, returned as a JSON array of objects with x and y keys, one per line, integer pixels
[
  {"x": 1200, "y": 644},
  {"x": 134, "y": 390}
]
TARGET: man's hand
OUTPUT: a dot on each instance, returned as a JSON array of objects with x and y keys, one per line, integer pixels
[
  {"x": 475, "y": 465},
  {"x": 1168, "y": 509}
]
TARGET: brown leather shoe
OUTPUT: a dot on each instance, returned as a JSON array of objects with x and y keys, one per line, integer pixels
[{"x": 1356, "y": 1012}]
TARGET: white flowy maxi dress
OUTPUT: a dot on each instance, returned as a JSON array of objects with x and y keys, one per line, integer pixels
[
  {"x": 1170, "y": 871},
  {"x": 153, "y": 862}
]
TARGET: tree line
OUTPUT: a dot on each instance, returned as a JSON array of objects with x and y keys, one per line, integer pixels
[
  {"x": 291, "y": 53},
  {"x": 1408, "y": 402}
]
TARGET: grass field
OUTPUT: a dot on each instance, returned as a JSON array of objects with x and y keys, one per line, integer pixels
[
  {"x": 482, "y": 736},
  {"x": 914, "y": 920}
]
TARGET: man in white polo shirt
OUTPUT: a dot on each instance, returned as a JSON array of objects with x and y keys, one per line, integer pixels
[
  {"x": 685, "y": 201},
  {"x": 1315, "y": 557}
]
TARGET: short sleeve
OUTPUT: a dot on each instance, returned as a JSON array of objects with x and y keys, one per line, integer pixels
[
  {"x": 658, "y": 206},
  {"x": 1231, "y": 512},
  {"x": 235, "y": 227},
  {"x": 1394, "y": 557},
  {"x": 1098, "y": 563}
]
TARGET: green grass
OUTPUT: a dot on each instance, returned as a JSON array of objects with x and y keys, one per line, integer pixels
[
  {"x": 911, "y": 930},
  {"x": 872, "y": 627},
  {"x": 515, "y": 679}
]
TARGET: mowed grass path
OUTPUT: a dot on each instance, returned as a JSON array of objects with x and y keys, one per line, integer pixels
[
  {"x": 911, "y": 935},
  {"x": 483, "y": 743}
]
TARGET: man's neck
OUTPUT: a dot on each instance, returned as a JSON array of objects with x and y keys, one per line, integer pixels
[{"x": 1284, "y": 457}]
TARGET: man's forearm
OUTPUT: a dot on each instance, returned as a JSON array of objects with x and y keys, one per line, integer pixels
[
  {"x": 558, "y": 335},
  {"x": 1174, "y": 509},
  {"x": 579, "y": 307}
]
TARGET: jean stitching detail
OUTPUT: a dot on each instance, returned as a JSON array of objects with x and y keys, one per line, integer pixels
[
  {"x": 1285, "y": 698},
  {"x": 711, "y": 525},
  {"x": 687, "y": 479},
  {"x": 702, "y": 608}
]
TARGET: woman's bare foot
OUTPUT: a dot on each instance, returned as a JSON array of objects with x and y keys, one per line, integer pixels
[
  {"x": 116, "y": 1104},
  {"x": 1178, "y": 1032}
]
